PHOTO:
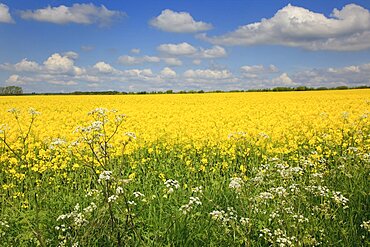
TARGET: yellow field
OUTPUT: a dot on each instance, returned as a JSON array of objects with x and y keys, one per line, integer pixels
[
  {"x": 286, "y": 118},
  {"x": 307, "y": 151}
]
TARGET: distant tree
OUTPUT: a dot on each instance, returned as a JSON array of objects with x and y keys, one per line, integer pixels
[{"x": 11, "y": 90}]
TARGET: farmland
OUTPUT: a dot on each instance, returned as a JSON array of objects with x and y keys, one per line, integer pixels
[{"x": 227, "y": 169}]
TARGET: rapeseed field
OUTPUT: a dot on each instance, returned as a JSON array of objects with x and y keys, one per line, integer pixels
[{"x": 227, "y": 169}]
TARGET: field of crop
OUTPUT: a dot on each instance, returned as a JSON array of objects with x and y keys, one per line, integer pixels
[{"x": 230, "y": 169}]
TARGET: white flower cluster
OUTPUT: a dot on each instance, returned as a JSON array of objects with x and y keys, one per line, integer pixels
[
  {"x": 339, "y": 198},
  {"x": 198, "y": 189},
  {"x": 33, "y": 112},
  {"x": 99, "y": 111},
  {"x": 14, "y": 111},
  {"x": 265, "y": 196},
  {"x": 105, "y": 176},
  {"x": 3, "y": 224},
  {"x": 77, "y": 216},
  {"x": 131, "y": 135},
  {"x": 193, "y": 201},
  {"x": 277, "y": 237},
  {"x": 365, "y": 225},
  {"x": 138, "y": 194},
  {"x": 57, "y": 142},
  {"x": 171, "y": 185},
  {"x": 225, "y": 217},
  {"x": 236, "y": 183},
  {"x": 92, "y": 192},
  {"x": 119, "y": 190},
  {"x": 324, "y": 191},
  {"x": 112, "y": 198}
]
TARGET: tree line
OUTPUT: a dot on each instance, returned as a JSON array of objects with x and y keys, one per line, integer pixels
[{"x": 15, "y": 90}]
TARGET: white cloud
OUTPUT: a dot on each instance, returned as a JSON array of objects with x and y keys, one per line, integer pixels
[
  {"x": 135, "y": 50},
  {"x": 178, "y": 22},
  {"x": 77, "y": 13},
  {"x": 283, "y": 80},
  {"x": 103, "y": 67},
  {"x": 71, "y": 54},
  {"x": 140, "y": 73},
  {"x": 208, "y": 74},
  {"x": 56, "y": 62},
  {"x": 5, "y": 16},
  {"x": 130, "y": 60},
  {"x": 61, "y": 64},
  {"x": 168, "y": 73},
  {"x": 186, "y": 49},
  {"x": 15, "y": 80},
  {"x": 347, "y": 29},
  {"x": 181, "y": 49},
  {"x": 257, "y": 69},
  {"x": 352, "y": 75},
  {"x": 172, "y": 61},
  {"x": 26, "y": 65},
  {"x": 214, "y": 52}
]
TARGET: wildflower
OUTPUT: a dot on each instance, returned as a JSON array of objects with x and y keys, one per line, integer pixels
[
  {"x": 217, "y": 215},
  {"x": 99, "y": 111},
  {"x": 138, "y": 194},
  {"x": 366, "y": 225},
  {"x": 236, "y": 183},
  {"x": 193, "y": 201},
  {"x": 33, "y": 112},
  {"x": 131, "y": 203},
  {"x": 119, "y": 190},
  {"x": 112, "y": 198},
  {"x": 339, "y": 198},
  {"x": 171, "y": 185},
  {"x": 197, "y": 189},
  {"x": 265, "y": 196},
  {"x": 131, "y": 135},
  {"x": 105, "y": 175}
]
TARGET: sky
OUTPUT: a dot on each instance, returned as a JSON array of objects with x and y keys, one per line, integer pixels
[{"x": 137, "y": 45}]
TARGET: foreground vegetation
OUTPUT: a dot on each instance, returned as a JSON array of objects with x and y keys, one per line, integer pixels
[{"x": 281, "y": 178}]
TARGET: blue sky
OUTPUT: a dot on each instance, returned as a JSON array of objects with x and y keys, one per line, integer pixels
[{"x": 63, "y": 46}]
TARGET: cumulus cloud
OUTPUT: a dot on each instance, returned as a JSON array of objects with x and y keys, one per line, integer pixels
[
  {"x": 347, "y": 29},
  {"x": 214, "y": 52},
  {"x": 77, "y": 13},
  {"x": 208, "y": 74},
  {"x": 283, "y": 80},
  {"x": 178, "y": 22},
  {"x": 26, "y": 65},
  {"x": 180, "y": 49},
  {"x": 5, "y": 16},
  {"x": 130, "y": 60},
  {"x": 59, "y": 64},
  {"x": 259, "y": 69},
  {"x": 71, "y": 54},
  {"x": 352, "y": 75},
  {"x": 103, "y": 67},
  {"x": 60, "y": 72},
  {"x": 186, "y": 49},
  {"x": 172, "y": 61},
  {"x": 168, "y": 73}
]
